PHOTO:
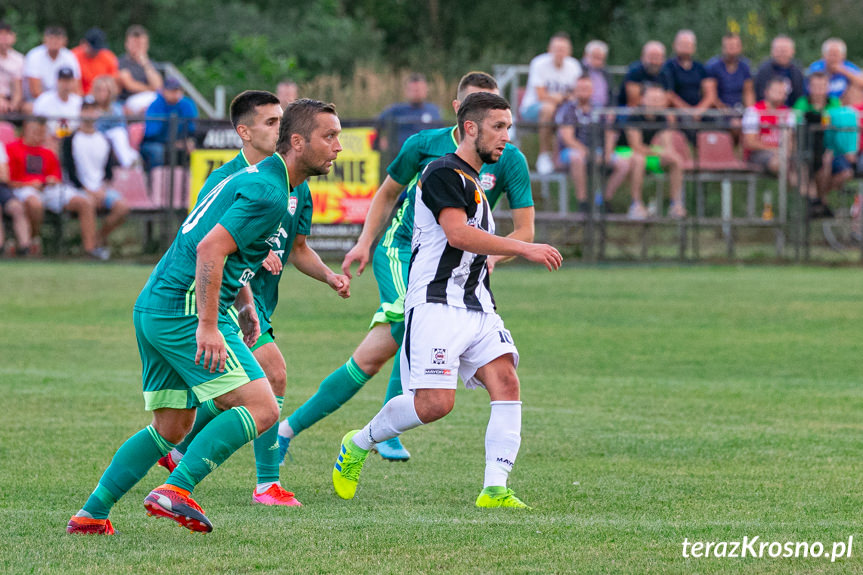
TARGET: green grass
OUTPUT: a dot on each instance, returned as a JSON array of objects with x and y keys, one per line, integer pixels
[{"x": 659, "y": 404}]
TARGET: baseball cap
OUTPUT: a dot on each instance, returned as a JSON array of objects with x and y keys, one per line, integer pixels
[
  {"x": 171, "y": 83},
  {"x": 65, "y": 72},
  {"x": 95, "y": 38}
]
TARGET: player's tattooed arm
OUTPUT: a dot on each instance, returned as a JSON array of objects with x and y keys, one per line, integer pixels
[{"x": 211, "y": 254}]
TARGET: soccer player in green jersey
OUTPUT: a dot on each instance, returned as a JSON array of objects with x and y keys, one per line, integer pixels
[
  {"x": 188, "y": 344},
  {"x": 510, "y": 176},
  {"x": 255, "y": 115}
]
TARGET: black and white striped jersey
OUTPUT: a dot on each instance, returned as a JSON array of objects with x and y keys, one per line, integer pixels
[{"x": 440, "y": 273}]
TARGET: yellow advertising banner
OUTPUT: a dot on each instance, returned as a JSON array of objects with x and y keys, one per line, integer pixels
[{"x": 341, "y": 197}]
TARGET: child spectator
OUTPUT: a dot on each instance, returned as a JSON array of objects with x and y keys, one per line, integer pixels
[
  {"x": 87, "y": 161},
  {"x": 61, "y": 105},
  {"x": 761, "y": 136},
  {"x": 94, "y": 58}
]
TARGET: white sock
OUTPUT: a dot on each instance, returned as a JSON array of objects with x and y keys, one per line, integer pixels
[
  {"x": 175, "y": 456},
  {"x": 264, "y": 486},
  {"x": 394, "y": 418},
  {"x": 502, "y": 440},
  {"x": 285, "y": 429}
]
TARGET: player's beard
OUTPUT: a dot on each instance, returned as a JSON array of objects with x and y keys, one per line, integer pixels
[{"x": 485, "y": 154}]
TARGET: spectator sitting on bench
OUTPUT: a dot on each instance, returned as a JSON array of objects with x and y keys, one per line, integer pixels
[
  {"x": 112, "y": 122},
  {"x": 10, "y": 206},
  {"x": 828, "y": 166},
  {"x": 137, "y": 76},
  {"x": 648, "y": 70},
  {"x": 761, "y": 136},
  {"x": 648, "y": 134},
  {"x": 35, "y": 177},
  {"x": 579, "y": 137},
  {"x": 88, "y": 163},
  {"x": 157, "y": 134},
  {"x": 780, "y": 64}
]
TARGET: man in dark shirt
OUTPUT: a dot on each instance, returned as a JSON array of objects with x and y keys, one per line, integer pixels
[
  {"x": 729, "y": 75},
  {"x": 781, "y": 63},
  {"x": 687, "y": 82},
  {"x": 138, "y": 78},
  {"x": 405, "y": 119},
  {"x": 648, "y": 69}
]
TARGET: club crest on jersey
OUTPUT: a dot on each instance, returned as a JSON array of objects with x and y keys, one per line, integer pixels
[
  {"x": 439, "y": 355},
  {"x": 487, "y": 181},
  {"x": 292, "y": 204}
]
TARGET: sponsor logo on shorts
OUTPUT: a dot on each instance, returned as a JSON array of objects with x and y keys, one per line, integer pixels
[
  {"x": 487, "y": 181},
  {"x": 438, "y": 371},
  {"x": 439, "y": 355},
  {"x": 247, "y": 276}
]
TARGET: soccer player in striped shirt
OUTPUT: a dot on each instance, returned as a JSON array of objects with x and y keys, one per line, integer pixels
[{"x": 452, "y": 328}]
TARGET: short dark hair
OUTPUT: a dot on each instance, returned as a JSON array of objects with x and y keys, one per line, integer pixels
[
  {"x": 244, "y": 105},
  {"x": 563, "y": 35},
  {"x": 299, "y": 118},
  {"x": 820, "y": 74},
  {"x": 55, "y": 31},
  {"x": 476, "y": 107},
  {"x": 476, "y": 80},
  {"x": 774, "y": 80},
  {"x": 416, "y": 77},
  {"x": 136, "y": 30}
]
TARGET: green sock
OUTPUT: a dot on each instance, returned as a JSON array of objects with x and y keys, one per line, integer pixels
[
  {"x": 267, "y": 451},
  {"x": 334, "y": 391},
  {"x": 394, "y": 387},
  {"x": 131, "y": 462},
  {"x": 205, "y": 414},
  {"x": 225, "y": 434}
]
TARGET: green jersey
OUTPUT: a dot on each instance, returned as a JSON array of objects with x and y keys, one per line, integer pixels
[
  {"x": 510, "y": 176},
  {"x": 252, "y": 205},
  {"x": 265, "y": 285}
]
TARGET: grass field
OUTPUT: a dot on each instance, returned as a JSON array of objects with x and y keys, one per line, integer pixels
[{"x": 660, "y": 404}]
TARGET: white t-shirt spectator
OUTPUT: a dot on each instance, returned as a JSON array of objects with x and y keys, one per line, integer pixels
[
  {"x": 11, "y": 69},
  {"x": 38, "y": 64},
  {"x": 62, "y": 116},
  {"x": 91, "y": 153},
  {"x": 543, "y": 73}
]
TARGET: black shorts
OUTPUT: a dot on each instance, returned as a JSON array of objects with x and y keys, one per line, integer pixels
[{"x": 5, "y": 195}]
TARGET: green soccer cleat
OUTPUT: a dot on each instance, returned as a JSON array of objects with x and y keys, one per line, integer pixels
[
  {"x": 492, "y": 497},
  {"x": 346, "y": 471}
]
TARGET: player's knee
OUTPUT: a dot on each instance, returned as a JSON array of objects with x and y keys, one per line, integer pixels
[
  {"x": 433, "y": 408},
  {"x": 278, "y": 381},
  {"x": 267, "y": 417}
]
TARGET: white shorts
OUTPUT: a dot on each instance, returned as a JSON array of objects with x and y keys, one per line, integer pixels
[
  {"x": 443, "y": 342},
  {"x": 55, "y": 197}
]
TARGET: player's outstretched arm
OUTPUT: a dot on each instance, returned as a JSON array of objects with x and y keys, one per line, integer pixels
[
  {"x": 210, "y": 264},
  {"x": 464, "y": 237},
  {"x": 307, "y": 260},
  {"x": 523, "y": 229},
  {"x": 382, "y": 205}
]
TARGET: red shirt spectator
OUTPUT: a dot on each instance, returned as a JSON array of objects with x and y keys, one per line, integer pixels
[
  {"x": 29, "y": 164},
  {"x": 94, "y": 58}
]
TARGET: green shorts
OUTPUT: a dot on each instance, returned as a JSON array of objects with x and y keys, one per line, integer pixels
[
  {"x": 391, "y": 272},
  {"x": 170, "y": 377},
  {"x": 267, "y": 335},
  {"x": 652, "y": 164}
]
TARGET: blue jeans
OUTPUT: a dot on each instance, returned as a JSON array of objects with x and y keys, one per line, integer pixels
[{"x": 153, "y": 154}]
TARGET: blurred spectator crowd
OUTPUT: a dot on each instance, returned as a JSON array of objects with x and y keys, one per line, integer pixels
[{"x": 648, "y": 123}]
